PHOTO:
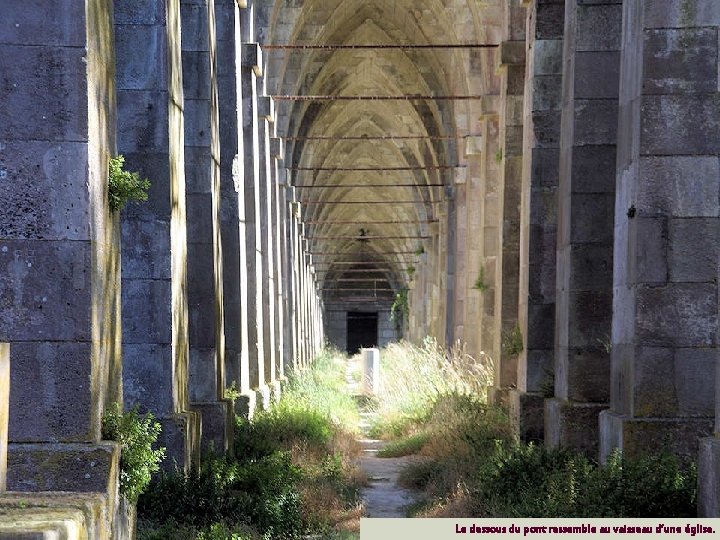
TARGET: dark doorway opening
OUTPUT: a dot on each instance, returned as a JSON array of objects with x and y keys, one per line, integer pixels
[{"x": 362, "y": 330}]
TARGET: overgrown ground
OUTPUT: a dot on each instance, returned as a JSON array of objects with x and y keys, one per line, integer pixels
[
  {"x": 291, "y": 474},
  {"x": 434, "y": 404}
]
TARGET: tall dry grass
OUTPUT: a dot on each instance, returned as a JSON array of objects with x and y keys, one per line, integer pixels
[{"x": 413, "y": 379}]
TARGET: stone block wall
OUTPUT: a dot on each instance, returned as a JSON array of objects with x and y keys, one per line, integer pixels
[
  {"x": 664, "y": 336},
  {"x": 154, "y": 245}
]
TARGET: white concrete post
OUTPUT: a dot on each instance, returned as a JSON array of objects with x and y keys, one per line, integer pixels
[{"x": 371, "y": 370}]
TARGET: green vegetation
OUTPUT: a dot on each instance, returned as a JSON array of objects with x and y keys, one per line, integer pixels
[
  {"x": 499, "y": 156},
  {"x": 400, "y": 309},
  {"x": 138, "y": 459},
  {"x": 513, "y": 341},
  {"x": 470, "y": 462},
  {"x": 480, "y": 281},
  {"x": 291, "y": 473},
  {"x": 124, "y": 186}
]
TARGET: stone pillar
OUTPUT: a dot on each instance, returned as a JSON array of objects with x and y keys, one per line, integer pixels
[
  {"x": 538, "y": 216},
  {"x": 456, "y": 320},
  {"x": 511, "y": 59},
  {"x": 279, "y": 227},
  {"x": 233, "y": 201},
  {"x": 586, "y": 197},
  {"x": 154, "y": 252},
  {"x": 266, "y": 111},
  {"x": 205, "y": 255},
  {"x": 489, "y": 338},
  {"x": 667, "y": 233},
  {"x": 251, "y": 70},
  {"x": 474, "y": 285},
  {"x": 4, "y": 411},
  {"x": 59, "y": 246}
]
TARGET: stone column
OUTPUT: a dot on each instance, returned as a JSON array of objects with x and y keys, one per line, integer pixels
[
  {"x": 538, "y": 216},
  {"x": 279, "y": 230},
  {"x": 4, "y": 411},
  {"x": 205, "y": 256},
  {"x": 586, "y": 197},
  {"x": 474, "y": 274},
  {"x": 456, "y": 321},
  {"x": 266, "y": 111},
  {"x": 506, "y": 332},
  {"x": 667, "y": 234},
  {"x": 489, "y": 338},
  {"x": 154, "y": 253},
  {"x": 59, "y": 246},
  {"x": 251, "y": 70},
  {"x": 233, "y": 202}
]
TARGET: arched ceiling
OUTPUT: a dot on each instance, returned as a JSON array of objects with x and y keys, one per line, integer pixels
[{"x": 370, "y": 174}]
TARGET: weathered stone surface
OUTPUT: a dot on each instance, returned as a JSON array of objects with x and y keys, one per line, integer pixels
[
  {"x": 692, "y": 249},
  {"x": 681, "y": 13},
  {"x": 145, "y": 380},
  {"x": 677, "y": 314},
  {"x": 29, "y": 308},
  {"x": 680, "y": 61},
  {"x": 572, "y": 425},
  {"x": 217, "y": 425},
  {"x": 134, "y": 72},
  {"x": 681, "y": 186},
  {"x": 598, "y": 26},
  {"x": 595, "y": 122},
  {"x": 669, "y": 124},
  {"x": 44, "y": 104},
  {"x": 597, "y": 75},
  {"x": 43, "y": 184},
  {"x": 709, "y": 477},
  {"x": 51, "y": 398},
  {"x": 80, "y": 468}
]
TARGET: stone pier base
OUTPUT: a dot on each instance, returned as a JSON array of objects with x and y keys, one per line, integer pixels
[
  {"x": 573, "y": 425},
  {"x": 637, "y": 436},
  {"x": 77, "y": 468},
  {"x": 246, "y": 404},
  {"x": 181, "y": 438},
  {"x": 709, "y": 478},
  {"x": 528, "y": 411},
  {"x": 217, "y": 426},
  {"x": 75, "y": 516}
]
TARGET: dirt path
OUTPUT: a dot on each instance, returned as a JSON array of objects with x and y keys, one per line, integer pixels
[{"x": 383, "y": 497}]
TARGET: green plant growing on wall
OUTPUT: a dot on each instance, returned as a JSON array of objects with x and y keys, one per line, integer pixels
[
  {"x": 138, "y": 460},
  {"x": 411, "y": 271},
  {"x": 480, "y": 281},
  {"x": 420, "y": 250},
  {"x": 399, "y": 310},
  {"x": 499, "y": 156},
  {"x": 232, "y": 393},
  {"x": 513, "y": 341},
  {"x": 124, "y": 186}
]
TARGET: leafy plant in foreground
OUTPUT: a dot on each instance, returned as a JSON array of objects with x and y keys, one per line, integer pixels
[{"x": 138, "y": 459}]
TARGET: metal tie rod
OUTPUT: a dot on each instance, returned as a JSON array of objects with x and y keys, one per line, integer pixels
[
  {"x": 368, "y": 238},
  {"x": 373, "y": 137},
  {"x": 386, "y": 222},
  {"x": 307, "y": 203},
  {"x": 339, "y": 186},
  {"x": 350, "y": 46},
  {"x": 408, "y": 168},
  {"x": 367, "y": 97}
]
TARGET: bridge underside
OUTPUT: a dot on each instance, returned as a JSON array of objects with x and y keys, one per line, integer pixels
[{"x": 538, "y": 179}]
